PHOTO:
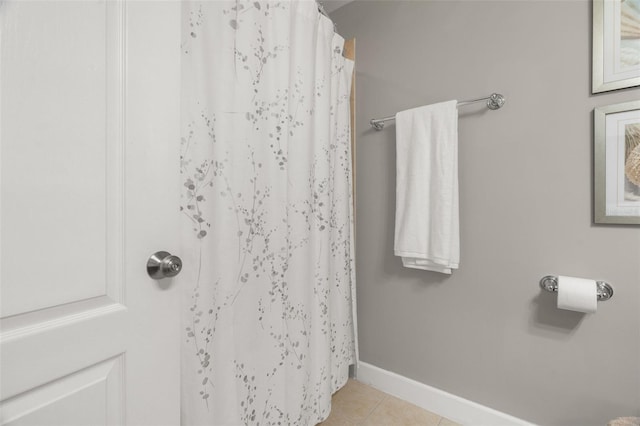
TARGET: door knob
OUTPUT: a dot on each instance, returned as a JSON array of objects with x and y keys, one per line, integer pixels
[{"x": 162, "y": 264}]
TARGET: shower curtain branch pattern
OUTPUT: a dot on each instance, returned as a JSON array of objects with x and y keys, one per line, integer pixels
[{"x": 266, "y": 163}]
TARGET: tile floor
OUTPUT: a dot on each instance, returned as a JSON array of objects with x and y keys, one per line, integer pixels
[{"x": 357, "y": 404}]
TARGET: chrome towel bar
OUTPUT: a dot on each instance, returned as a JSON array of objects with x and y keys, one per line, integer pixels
[
  {"x": 494, "y": 101},
  {"x": 550, "y": 283}
]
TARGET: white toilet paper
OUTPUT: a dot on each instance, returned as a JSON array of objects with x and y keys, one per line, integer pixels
[{"x": 577, "y": 294}]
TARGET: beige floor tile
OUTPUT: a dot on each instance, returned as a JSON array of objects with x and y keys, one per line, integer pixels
[
  {"x": 335, "y": 419},
  {"x": 447, "y": 422},
  {"x": 396, "y": 412},
  {"x": 355, "y": 401}
]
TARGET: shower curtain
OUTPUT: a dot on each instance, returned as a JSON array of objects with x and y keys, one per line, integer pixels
[{"x": 268, "y": 232}]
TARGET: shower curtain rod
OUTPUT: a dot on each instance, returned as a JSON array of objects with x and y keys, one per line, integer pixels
[
  {"x": 321, "y": 9},
  {"x": 494, "y": 101},
  {"x": 324, "y": 13}
]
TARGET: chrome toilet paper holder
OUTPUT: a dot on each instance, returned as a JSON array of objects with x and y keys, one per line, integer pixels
[{"x": 550, "y": 283}]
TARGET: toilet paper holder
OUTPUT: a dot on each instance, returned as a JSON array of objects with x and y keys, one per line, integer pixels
[{"x": 550, "y": 283}]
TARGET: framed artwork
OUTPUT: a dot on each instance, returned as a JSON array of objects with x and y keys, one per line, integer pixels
[
  {"x": 617, "y": 163},
  {"x": 616, "y": 44}
]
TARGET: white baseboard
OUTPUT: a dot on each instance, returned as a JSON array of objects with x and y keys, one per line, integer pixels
[{"x": 453, "y": 407}]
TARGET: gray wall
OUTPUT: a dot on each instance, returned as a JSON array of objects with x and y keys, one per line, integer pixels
[{"x": 487, "y": 333}]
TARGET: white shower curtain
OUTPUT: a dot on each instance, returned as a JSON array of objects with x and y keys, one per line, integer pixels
[{"x": 268, "y": 236}]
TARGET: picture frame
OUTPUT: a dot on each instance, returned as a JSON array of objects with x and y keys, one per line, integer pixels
[
  {"x": 617, "y": 164},
  {"x": 616, "y": 45}
]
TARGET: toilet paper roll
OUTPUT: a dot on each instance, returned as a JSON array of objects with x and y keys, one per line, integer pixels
[{"x": 577, "y": 294}]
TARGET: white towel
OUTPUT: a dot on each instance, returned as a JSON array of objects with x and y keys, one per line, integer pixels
[{"x": 427, "y": 234}]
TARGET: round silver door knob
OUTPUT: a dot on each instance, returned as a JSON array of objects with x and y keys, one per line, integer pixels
[{"x": 163, "y": 264}]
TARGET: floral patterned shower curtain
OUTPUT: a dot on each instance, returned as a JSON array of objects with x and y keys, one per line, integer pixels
[{"x": 268, "y": 232}]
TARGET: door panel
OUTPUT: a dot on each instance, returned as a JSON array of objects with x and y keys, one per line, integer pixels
[
  {"x": 87, "y": 397},
  {"x": 55, "y": 81},
  {"x": 89, "y": 125}
]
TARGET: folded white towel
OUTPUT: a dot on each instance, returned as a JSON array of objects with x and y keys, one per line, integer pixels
[{"x": 427, "y": 234}]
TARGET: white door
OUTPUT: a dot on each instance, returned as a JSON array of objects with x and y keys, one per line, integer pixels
[{"x": 89, "y": 124}]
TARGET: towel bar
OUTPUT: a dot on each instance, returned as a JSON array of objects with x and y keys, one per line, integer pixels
[
  {"x": 550, "y": 283},
  {"x": 494, "y": 101}
]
